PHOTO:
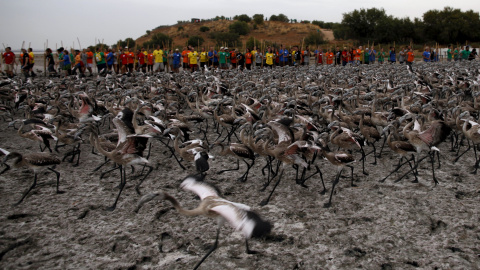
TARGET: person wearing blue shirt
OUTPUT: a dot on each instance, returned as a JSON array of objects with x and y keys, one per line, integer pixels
[
  {"x": 280, "y": 53},
  {"x": 176, "y": 60},
  {"x": 67, "y": 65},
  {"x": 393, "y": 55},
  {"x": 372, "y": 56},
  {"x": 426, "y": 55},
  {"x": 285, "y": 57},
  {"x": 212, "y": 58},
  {"x": 110, "y": 59}
]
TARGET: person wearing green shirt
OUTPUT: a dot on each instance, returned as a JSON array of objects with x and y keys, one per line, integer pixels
[
  {"x": 381, "y": 56},
  {"x": 366, "y": 56},
  {"x": 456, "y": 54},
  {"x": 222, "y": 58},
  {"x": 100, "y": 60},
  {"x": 465, "y": 53},
  {"x": 449, "y": 53},
  {"x": 227, "y": 58}
]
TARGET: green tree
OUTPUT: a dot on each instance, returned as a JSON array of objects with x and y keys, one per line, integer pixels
[
  {"x": 159, "y": 39},
  {"x": 314, "y": 38},
  {"x": 195, "y": 41},
  {"x": 318, "y": 23},
  {"x": 279, "y": 18},
  {"x": 221, "y": 38},
  {"x": 258, "y": 19},
  {"x": 243, "y": 18},
  {"x": 130, "y": 42},
  {"x": 239, "y": 27}
]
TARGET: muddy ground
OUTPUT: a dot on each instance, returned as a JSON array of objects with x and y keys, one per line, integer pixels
[{"x": 375, "y": 225}]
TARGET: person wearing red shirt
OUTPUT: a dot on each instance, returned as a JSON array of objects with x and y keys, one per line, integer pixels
[
  {"x": 141, "y": 61},
  {"x": 233, "y": 59},
  {"x": 90, "y": 61},
  {"x": 344, "y": 56},
  {"x": 9, "y": 59},
  {"x": 123, "y": 59},
  {"x": 319, "y": 57}
]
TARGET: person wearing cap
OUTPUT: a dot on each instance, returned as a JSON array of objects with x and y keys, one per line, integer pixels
[
  {"x": 227, "y": 57},
  {"x": 176, "y": 57}
]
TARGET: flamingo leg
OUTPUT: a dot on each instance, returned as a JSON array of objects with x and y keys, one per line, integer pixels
[
  {"x": 265, "y": 202},
  {"x": 26, "y": 193}
]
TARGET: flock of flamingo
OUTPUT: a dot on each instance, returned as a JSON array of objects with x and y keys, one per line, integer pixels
[{"x": 305, "y": 119}]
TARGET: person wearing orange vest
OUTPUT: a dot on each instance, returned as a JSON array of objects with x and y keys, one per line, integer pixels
[
  {"x": 356, "y": 55},
  {"x": 150, "y": 61},
  {"x": 185, "y": 53},
  {"x": 130, "y": 59},
  {"x": 248, "y": 59},
  {"x": 233, "y": 59},
  {"x": 330, "y": 57},
  {"x": 410, "y": 56}
]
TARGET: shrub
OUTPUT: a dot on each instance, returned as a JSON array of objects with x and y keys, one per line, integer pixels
[
  {"x": 204, "y": 29},
  {"x": 258, "y": 19},
  {"x": 239, "y": 27},
  {"x": 243, "y": 18}
]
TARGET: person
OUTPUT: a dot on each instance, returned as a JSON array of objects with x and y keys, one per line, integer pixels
[
  {"x": 158, "y": 54},
  {"x": 258, "y": 59},
  {"x": 176, "y": 61},
  {"x": 426, "y": 55},
  {"x": 130, "y": 59},
  {"x": 123, "y": 61},
  {"x": 392, "y": 55},
  {"x": 150, "y": 59},
  {"x": 366, "y": 56},
  {"x": 83, "y": 55},
  {"x": 338, "y": 56},
  {"x": 100, "y": 60},
  {"x": 465, "y": 53},
  {"x": 254, "y": 58},
  {"x": 50, "y": 62},
  {"x": 9, "y": 58},
  {"x": 373, "y": 53},
  {"x": 115, "y": 60},
  {"x": 319, "y": 57},
  {"x": 270, "y": 57},
  {"x": 248, "y": 59},
  {"x": 185, "y": 53},
  {"x": 203, "y": 58},
  {"x": 227, "y": 57},
  {"x": 110, "y": 59},
  {"x": 233, "y": 59},
  {"x": 357, "y": 55},
  {"x": 31, "y": 58},
  {"x": 297, "y": 56},
  {"x": 90, "y": 61},
  {"x": 193, "y": 59},
  {"x": 381, "y": 56},
  {"x": 449, "y": 53},
  {"x": 78, "y": 64},
  {"x": 211, "y": 57},
  {"x": 286, "y": 55},
  {"x": 276, "y": 53},
  {"x": 67, "y": 67},
  {"x": 456, "y": 54},
  {"x": 330, "y": 57},
  {"x": 222, "y": 58},
  {"x": 362, "y": 54},
  {"x": 344, "y": 56},
  {"x": 60, "y": 58},
  {"x": 401, "y": 57},
  {"x": 410, "y": 56},
  {"x": 306, "y": 56},
  {"x": 240, "y": 59},
  {"x": 141, "y": 61},
  {"x": 472, "y": 55}
]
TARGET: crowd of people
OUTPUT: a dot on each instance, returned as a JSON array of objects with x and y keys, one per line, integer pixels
[{"x": 160, "y": 59}]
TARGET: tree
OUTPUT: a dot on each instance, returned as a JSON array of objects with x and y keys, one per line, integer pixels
[
  {"x": 314, "y": 38},
  {"x": 159, "y": 39},
  {"x": 318, "y": 23},
  {"x": 221, "y": 38},
  {"x": 279, "y": 18},
  {"x": 195, "y": 41},
  {"x": 127, "y": 42},
  {"x": 239, "y": 27},
  {"x": 243, "y": 18},
  {"x": 451, "y": 25},
  {"x": 258, "y": 19}
]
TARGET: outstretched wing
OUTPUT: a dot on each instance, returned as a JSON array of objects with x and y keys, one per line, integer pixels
[{"x": 193, "y": 183}]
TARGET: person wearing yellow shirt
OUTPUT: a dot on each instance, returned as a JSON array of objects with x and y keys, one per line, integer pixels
[
  {"x": 192, "y": 58},
  {"x": 158, "y": 54},
  {"x": 254, "y": 52},
  {"x": 270, "y": 57},
  {"x": 31, "y": 61},
  {"x": 203, "y": 58}
]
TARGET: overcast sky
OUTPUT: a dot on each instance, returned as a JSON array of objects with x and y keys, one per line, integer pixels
[{"x": 35, "y": 21}]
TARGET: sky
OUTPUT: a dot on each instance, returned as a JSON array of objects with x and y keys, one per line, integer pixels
[{"x": 85, "y": 21}]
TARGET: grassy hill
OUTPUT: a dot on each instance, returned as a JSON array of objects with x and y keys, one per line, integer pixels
[{"x": 287, "y": 34}]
